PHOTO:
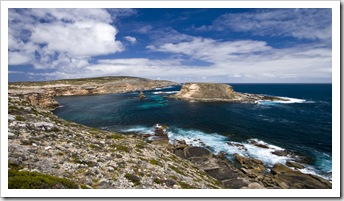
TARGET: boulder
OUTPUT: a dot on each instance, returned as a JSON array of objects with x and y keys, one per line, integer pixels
[
  {"x": 11, "y": 135},
  {"x": 255, "y": 185},
  {"x": 295, "y": 165},
  {"x": 250, "y": 163},
  {"x": 45, "y": 126},
  {"x": 11, "y": 117},
  {"x": 251, "y": 167},
  {"x": 179, "y": 153},
  {"x": 196, "y": 152}
]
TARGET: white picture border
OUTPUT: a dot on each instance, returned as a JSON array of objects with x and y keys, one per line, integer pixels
[{"x": 334, "y": 192}]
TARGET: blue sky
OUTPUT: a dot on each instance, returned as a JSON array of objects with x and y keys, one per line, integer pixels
[{"x": 207, "y": 45}]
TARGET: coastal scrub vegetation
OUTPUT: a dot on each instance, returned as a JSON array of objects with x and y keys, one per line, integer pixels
[{"x": 34, "y": 180}]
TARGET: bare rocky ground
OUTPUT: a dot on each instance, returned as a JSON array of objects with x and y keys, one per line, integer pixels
[{"x": 39, "y": 141}]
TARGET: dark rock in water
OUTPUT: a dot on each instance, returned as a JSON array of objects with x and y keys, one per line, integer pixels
[
  {"x": 280, "y": 153},
  {"x": 142, "y": 96},
  {"x": 160, "y": 136},
  {"x": 240, "y": 146},
  {"x": 196, "y": 152},
  {"x": 160, "y": 130},
  {"x": 296, "y": 157},
  {"x": 295, "y": 165},
  {"x": 257, "y": 144}
]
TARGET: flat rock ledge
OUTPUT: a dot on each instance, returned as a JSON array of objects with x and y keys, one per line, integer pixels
[{"x": 215, "y": 92}]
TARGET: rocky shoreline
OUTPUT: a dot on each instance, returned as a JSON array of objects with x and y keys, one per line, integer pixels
[
  {"x": 244, "y": 173},
  {"x": 40, "y": 142},
  {"x": 43, "y": 93}
]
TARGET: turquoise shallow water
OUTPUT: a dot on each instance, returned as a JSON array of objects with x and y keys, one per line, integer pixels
[{"x": 302, "y": 125}]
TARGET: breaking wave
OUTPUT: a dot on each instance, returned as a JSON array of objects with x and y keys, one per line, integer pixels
[{"x": 286, "y": 101}]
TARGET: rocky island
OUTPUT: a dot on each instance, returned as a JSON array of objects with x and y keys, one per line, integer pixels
[
  {"x": 210, "y": 92},
  {"x": 45, "y": 151}
]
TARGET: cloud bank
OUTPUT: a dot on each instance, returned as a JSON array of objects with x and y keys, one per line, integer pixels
[{"x": 73, "y": 43}]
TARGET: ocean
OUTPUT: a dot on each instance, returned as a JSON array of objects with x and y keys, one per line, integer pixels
[{"x": 301, "y": 126}]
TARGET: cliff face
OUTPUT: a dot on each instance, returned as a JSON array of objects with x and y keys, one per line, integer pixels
[
  {"x": 43, "y": 93},
  {"x": 208, "y": 92}
]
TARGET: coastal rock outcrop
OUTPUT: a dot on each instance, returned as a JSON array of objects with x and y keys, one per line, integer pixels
[
  {"x": 280, "y": 176},
  {"x": 209, "y": 92},
  {"x": 294, "y": 179}
]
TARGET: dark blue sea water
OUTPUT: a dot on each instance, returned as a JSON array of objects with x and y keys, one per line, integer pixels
[{"x": 302, "y": 125}]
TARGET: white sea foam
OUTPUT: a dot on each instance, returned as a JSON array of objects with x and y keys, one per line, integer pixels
[
  {"x": 159, "y": 88},
  {"x": 165, "y": 92},
  {"x": 310, "y": 170},
  {"x": 218, "y": 143},
  {"x": 139, "y": 129},
  {"x": 265, "y": 154},
  {"x": 287, "y": 101}
]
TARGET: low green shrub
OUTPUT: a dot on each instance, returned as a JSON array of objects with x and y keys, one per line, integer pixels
[
  {"x": 35, "y": 180},
  {"x": 20, "y": 118}
]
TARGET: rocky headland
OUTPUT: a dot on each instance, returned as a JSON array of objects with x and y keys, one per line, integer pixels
[
  {"x": 45, "y": 151},
  {"x": 210, "y": 92},
  {"x": 43, "y": 93}
]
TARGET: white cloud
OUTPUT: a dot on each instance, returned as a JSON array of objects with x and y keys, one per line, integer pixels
[
  {"x": 15, "y": 72},
  {"x": 131, "y": 39},
  {"x": 145, "y": 29},
  {"x": 72, "y": 14},
  {"x": 43, "y": 37},
  {"x": 231, "y": 61},
  {"x": 17, "y": 58},
  {"x": 253, "y": 60},
  {"x": 78, "y": 39},
  {"x": 66, "y": 42},
  {"x": 298, "y": 23},
  {"x": 212, "y": 51}
]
